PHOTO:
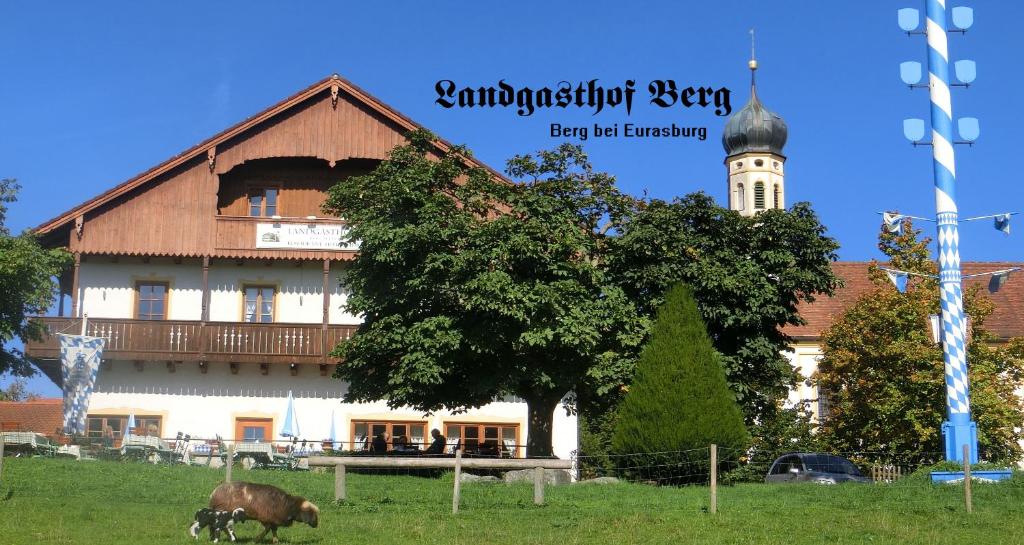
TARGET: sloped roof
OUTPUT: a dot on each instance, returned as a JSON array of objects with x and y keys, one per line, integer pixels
[
  {"x": 329, "y": 83},
  {"x": 1006, "y": 321},
  {"x": 43, "y": 416}
]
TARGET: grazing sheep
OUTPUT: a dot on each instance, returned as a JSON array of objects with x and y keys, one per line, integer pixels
[{"x": 270, "y": 505}]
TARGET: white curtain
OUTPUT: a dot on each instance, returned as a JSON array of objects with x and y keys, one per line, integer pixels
[{"x": 452, "y": 439}]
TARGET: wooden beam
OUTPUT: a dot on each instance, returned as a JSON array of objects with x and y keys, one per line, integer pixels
[
  {"x": 206, "y": 289},
  {"x": 444, "y": 463},
  {"x": 324, "y": 349},
  {"x": 74, "y": 285}
]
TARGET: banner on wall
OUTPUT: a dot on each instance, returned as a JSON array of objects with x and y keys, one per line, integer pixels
[{"x": 298, "y": 236}]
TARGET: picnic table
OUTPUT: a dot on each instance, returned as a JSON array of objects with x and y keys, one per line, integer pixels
[
  {"x": 27, "y": 442},
  {"x": 145, "y": 448},
  {"x": 255, "y": 455}
]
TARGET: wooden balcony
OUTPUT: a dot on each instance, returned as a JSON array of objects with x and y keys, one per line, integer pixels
[{"x": 179, "y": 340}]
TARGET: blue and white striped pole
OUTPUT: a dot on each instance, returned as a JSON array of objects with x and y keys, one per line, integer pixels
[{"x": 959, "y": 429}]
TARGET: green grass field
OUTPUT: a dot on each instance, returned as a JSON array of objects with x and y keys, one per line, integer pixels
[{"x": 59, "y": 501}]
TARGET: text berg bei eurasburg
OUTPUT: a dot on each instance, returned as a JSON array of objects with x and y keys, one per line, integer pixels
[{"x": 663, "y": 93}]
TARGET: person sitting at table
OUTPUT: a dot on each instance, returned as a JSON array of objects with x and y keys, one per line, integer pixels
[
  {"x": 438, "y": 444},
  {"x": 380, "y": 442}
]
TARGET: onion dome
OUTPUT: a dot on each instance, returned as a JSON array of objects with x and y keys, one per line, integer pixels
[{"x": 754, "y": 128}]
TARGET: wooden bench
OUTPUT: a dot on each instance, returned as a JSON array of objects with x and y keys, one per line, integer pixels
[{"x": 341, "y": 463}]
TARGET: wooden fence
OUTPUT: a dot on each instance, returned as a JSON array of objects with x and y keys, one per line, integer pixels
[{"x": 341, "y": 463}]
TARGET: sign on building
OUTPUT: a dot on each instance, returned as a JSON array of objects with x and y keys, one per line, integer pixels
[{"x": 298, "y": 236}]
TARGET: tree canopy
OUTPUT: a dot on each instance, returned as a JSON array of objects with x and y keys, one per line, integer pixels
[
  {"x": 27, "y": 285},
  {"x": 472, "y": 288},
  {"x": 884, "y": 375},
  {"x": 747, "y": 274}
]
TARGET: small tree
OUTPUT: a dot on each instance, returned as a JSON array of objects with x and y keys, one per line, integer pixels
[
  {"x": 27, "y": 285},
  {"x": 679, "y": 399},
  {"x": 884, "y": 375}
]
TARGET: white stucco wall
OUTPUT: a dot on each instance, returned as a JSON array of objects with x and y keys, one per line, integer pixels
[
  {"x": 107, "y": 289},
  {"x": 804, "y": 359},
  {"x": 206, "y": 405}
]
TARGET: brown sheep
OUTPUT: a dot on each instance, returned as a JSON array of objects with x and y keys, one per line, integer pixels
[{"x": 268, "y": 504}]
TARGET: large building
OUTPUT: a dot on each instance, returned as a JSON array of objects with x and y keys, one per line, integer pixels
[{"x": 215, "y": 279}]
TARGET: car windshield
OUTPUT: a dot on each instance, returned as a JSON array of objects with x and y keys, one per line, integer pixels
[{"x": 824, "y": 463}]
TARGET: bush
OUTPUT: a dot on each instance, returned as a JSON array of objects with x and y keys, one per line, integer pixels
[{"x": 679, "y": 402}]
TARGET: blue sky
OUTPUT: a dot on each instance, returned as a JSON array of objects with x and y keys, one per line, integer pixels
[{"x": 94, "y": 96}]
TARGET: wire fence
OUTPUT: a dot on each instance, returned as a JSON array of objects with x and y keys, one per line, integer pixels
[{"x": 706, "y": 479}]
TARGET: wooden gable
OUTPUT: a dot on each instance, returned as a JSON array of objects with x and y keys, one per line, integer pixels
[{"x": 186, "y": 207}]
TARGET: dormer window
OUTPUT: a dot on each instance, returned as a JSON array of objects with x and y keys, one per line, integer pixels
[{"x": 263, "y": 201}]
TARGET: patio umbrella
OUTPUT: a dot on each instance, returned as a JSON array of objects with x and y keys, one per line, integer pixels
[
  {"x": 131, "y": 425},
  {"x": 334, "y": 434},
  {"x": 291, "y": 424}
]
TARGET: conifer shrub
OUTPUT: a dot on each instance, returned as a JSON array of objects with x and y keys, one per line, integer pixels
[{"x": 678, "y": 403}]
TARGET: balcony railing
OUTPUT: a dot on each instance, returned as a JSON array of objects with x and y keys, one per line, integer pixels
[{"x": 180, "y": 340}]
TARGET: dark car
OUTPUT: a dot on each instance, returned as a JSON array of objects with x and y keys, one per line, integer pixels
[{"x": 814, "y": 467}]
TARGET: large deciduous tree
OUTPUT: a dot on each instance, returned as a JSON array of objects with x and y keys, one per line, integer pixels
[
  {"x": 884, "y": 375},
  {"x": 472, "y": 288},
  {"x": 27, "y": 286}
]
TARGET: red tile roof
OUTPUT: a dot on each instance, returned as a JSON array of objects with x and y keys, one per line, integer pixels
[
  {"x": 43, "y": 416},
  {"x": 1006, "y": 321}
]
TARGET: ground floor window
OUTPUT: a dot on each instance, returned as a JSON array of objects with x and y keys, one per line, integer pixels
[
  {"x": 254, "y": 430},
  {"x": 483, "y": 438},
  {"x": 384, "y": 435},
  {"x": 112, "y": 427}
]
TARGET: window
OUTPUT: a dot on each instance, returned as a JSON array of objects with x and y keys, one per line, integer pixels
[
  {"x": 484, "y": 439},
  {"x": 759, "y": 196},
  {"x": 370, "y": 435},
  {"x": 263, "y": 201},
  {"x": 259, "y": 304},
  {"x": 152, "y": 300},
  {"x": 254, "y": 430},
  {"x": 783, "y": 466},
  {"x": 776, "y": 197},
  {"x": 741, "y": 197},
  {"x": 96, "y": 426}
]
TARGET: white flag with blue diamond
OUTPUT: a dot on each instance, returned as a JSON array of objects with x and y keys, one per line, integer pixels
[{"x": 80, "y": 358}]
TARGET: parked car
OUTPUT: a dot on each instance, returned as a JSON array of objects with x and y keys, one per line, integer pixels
[{"x": 814, "y": 467}]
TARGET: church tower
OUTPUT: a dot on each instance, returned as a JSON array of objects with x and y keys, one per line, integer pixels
[{"x": 753, "y": 141}]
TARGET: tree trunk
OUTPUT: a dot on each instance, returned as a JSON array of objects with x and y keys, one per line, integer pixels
[{"x": 539, "y": 440}]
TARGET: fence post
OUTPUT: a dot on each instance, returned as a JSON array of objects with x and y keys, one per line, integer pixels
[
  {"x": 458, "y": 481},
  {"x": 229, "y": 462},
  {"x": 967, "y": 478},
  {"x": 538, "y": 486},
  {"x": 1, "y": 456},
  {"x": 340, "y": 494},
  {"x": 714, "y": 478}
]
